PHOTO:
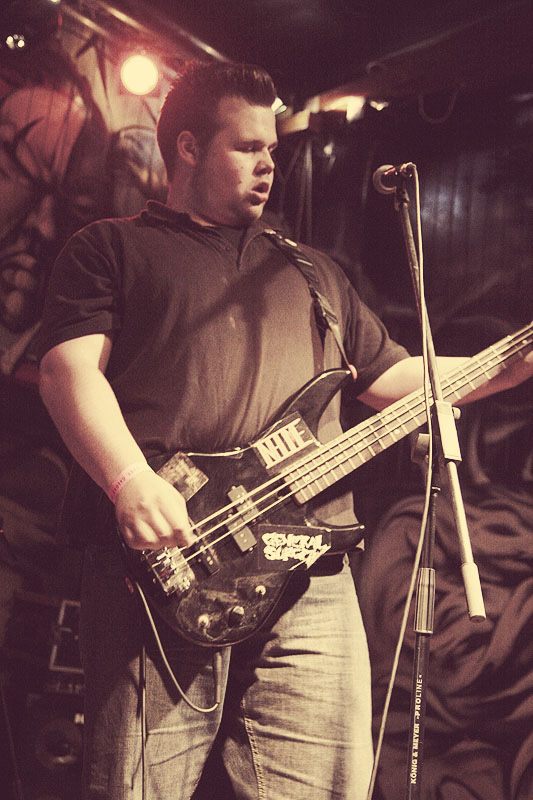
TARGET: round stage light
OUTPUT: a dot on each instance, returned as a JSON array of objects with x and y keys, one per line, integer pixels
[{"x": 139, "y": 74}]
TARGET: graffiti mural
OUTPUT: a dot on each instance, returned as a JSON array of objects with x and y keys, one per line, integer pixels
[
  {"x": 52, "y": 182},
  {"x": 73, "y": 149}
]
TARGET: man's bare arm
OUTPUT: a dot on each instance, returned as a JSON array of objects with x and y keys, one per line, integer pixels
[
  {"x": 150, "y": 512},
  {"x": 407, "y": 375}
]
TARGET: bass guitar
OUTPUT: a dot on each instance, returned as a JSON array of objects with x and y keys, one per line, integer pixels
[{"x": 249, "y": 507}]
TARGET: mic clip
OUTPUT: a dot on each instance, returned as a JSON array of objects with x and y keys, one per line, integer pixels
[{"x": 388, "y": 178}]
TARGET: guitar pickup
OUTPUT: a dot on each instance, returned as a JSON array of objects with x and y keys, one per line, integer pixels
[
  {"x": 241, "y": 534},
  {"x": 205, "y": 558}
]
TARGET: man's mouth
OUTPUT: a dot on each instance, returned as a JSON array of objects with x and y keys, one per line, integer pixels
[{"x": 262, "y": 190}]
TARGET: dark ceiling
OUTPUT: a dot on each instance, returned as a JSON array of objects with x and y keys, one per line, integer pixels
[
  {"x": 377, "y": 48},
  {"x": 312, "y": 46}
]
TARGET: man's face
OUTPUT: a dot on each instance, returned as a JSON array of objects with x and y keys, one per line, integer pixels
[
  {"x": 234, "y": 172},
  {"x": 46, "y": 194}
]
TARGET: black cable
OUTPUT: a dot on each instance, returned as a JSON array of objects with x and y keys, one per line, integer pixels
[
  {"x": 217, "y": 663},
  {"x": 17, "y": 783}
]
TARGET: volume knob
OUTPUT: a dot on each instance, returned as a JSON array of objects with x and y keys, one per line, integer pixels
[
  {"x": 203, "y": 621},
  {"x": 236, "y": 616}
]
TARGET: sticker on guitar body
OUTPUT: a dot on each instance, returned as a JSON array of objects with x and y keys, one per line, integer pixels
[
  {"x": 280, "y": 545},
  {"x": 283, "y": 442}
]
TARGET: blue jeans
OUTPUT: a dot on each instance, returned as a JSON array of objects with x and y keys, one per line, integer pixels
[{"x": 295, "y": 723}]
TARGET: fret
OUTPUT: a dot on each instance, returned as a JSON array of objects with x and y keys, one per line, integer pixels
[
  {"x": 478, "y": 371},
  {"x": 340, "y": 466},
  {"x": 490, "y": 371},
  {"x": 303, "y": 493},
  {"x": 371, "y": 450},
  {"x": 320, "y": 481},
  {"x": 468, "y": 378}
]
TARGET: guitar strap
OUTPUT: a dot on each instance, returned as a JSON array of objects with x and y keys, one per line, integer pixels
[{"x": 325, "y": 316}]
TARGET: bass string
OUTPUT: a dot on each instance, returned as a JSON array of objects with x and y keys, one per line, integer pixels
[{"x": 320, "y": 457}]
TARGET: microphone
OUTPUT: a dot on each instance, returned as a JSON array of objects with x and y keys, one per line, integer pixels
[{"x": 387, "y": 178}]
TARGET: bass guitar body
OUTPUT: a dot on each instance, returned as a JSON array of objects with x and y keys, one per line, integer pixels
[{"x": 252, "y": 521}]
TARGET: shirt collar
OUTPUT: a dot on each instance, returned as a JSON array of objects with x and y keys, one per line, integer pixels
[{"x": 160, "y": 212}]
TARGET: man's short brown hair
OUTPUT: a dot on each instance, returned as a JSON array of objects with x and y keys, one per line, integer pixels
[{"x": 192, "y": 101}]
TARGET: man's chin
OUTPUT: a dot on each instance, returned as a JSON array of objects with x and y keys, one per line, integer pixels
[
  {"x": 255, "y": 212},
  {"x": 248, "y": 214},
  {"x": 257, "y": 203}
]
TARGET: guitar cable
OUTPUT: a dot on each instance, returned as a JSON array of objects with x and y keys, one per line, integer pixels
[
  {"x": 217, "y": 663},
  {"x": 144, "y": 737},
  {"x": 217, "y": 682}
]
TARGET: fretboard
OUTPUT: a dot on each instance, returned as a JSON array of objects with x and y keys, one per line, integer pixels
[{"x": 332, "y": 461}]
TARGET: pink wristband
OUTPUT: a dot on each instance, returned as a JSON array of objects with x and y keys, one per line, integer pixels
[{"x": 126, "y": 475}]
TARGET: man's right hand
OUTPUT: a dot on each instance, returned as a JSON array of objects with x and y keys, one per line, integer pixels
[{"x": 152, "y": 514}]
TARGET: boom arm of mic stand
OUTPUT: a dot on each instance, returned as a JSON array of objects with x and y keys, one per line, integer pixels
[{"x": 447, "y": 433}]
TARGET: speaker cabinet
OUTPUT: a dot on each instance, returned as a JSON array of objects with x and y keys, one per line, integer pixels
[
  {"x": 41, "y": 725},
  {"x": 47, "y": 737}
]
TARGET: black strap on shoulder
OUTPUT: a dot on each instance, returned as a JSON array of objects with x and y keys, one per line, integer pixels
[{"x": 325, "y": 316}]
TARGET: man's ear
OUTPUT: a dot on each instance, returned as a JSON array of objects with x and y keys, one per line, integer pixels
[{"x": 187, "y": 148}]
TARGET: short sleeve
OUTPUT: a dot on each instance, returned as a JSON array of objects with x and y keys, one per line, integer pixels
[
  {"x": 366, "y": 340},
  {"x": 82, "y": 297},
  {"x": 368, "y": 343}
]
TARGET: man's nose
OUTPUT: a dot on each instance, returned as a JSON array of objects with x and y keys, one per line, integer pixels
[
  {"x": 266, "y": 163},
  {"x": 41, "y": 218}
]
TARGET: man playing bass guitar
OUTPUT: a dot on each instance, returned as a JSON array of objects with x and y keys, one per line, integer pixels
[{"x": 187, "y": 329}]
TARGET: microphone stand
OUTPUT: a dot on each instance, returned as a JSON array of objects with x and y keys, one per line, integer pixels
[{"x": 447, "y": 455}]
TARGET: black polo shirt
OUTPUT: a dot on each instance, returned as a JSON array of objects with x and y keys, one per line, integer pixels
[{"x": 211, "y": 334}]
